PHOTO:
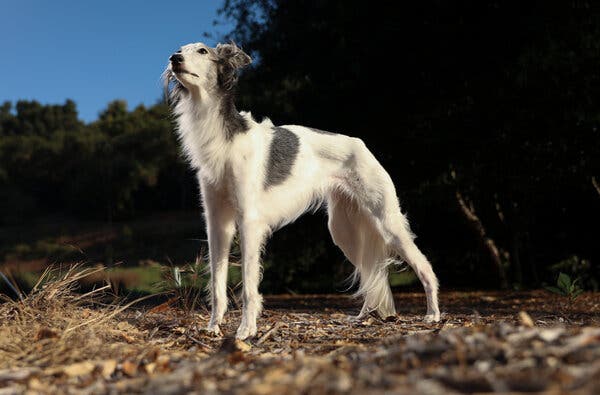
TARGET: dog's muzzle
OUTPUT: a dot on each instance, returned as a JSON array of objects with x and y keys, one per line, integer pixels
[
  {"x": 176, "y": 58},
  {"x": 176, "y": 65}
]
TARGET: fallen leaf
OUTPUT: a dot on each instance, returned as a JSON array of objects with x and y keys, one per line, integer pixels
[
  {"x": 153, "y": 354},
  {"x": 150, "y": 367},
  {"x": 126, "y": 337},
  {"x": 236, "y": 357},
  {"x": 242, "y": 345},
  {"x": 487, "y": 298},
  {"x": 36, "y": 384},
  {"x": 163, "y": 307},
  {"x": 163, "y": 362},
  {"x": 79, "y": 369},
  {"x": 45, "y": 333},
  {"x": 368, "y": 322},
  {"x": 17, "y": 374},
  {"x": 526, "y": 319},
  {"x": 129, "y": 368},
  {"x": 550, "y": 335},
  {"x": 108, "y": 368},
  {"x": 124, "y": 326}
]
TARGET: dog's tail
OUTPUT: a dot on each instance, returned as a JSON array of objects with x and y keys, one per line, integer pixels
[
  {"x": 373, "y": 269},
  {"x": 373, "y": 243},
  {"x": 355, "y": 233},
  {"x": 383, "y": 244}
]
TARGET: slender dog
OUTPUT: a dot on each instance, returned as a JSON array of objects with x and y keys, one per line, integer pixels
[{"x": 256, "y": 177}]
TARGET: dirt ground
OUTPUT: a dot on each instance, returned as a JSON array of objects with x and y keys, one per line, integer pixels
[{"x": 512, "y": 342}]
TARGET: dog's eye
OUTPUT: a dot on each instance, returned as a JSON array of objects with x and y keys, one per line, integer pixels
[{"x": 202, "y": 51}]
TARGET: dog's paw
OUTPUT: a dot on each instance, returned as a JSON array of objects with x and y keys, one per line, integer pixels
[
  {"x": 213, "y": 330},
  {"x": 432, "y": 317},
  {"x": 353, "y": 319},
  {"x": 245, "y": 331}
]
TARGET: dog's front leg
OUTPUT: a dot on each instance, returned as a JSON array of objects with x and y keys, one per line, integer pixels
[
  {"x": 220, "y": 228},
  {"x": 252, "y": 232}
]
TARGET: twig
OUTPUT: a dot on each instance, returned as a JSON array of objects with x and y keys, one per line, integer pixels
[
  {"x": 468, "y": 211},
  {"x": 198, "y": 342},
  {"x": 12, "y": 286},
  {"x": 92, "y": 292},
  {"x": 109, "y": 316},
  {"x": 596, "y": 185},
  {"x": 269, "y": 333}
]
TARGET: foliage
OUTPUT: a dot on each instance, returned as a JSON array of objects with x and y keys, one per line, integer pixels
[
  {"x": 581, "y": 269},
  {"x": 492, "y": 101},
  {"x": 185, "y": 285},
  {"x": 500, "y": 93},
  {"x": 566, "y": 287},
  {"x": 51, "y": 162}
]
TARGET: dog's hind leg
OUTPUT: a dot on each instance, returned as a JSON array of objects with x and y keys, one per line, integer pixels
[
  {"x": 402, "y": 242},
  {"x": 353, "y": 233},
  {"x": 376, "y": 193},
  {"x": 220, "y": 228}
]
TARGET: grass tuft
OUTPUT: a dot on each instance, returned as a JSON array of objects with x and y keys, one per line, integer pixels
[{"x": 54, "y": 325}]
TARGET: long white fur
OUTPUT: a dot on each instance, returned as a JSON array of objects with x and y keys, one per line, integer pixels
[{"x": 365, "y": 220}]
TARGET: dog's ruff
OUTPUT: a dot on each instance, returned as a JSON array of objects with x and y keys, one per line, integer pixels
[{"x": 255, "y": 177}]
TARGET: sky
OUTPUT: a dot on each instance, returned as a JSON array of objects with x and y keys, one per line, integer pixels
[{"x": 94, "y": 52}]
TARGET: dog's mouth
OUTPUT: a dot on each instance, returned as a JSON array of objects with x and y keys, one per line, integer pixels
[{"x": 178, "y": 69}]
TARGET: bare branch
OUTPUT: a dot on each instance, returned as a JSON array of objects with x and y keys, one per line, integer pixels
[
  {"x": 596, "y": 185},
  {"x": 489, "y": 244},
  {"x": 269, "y": 333}
]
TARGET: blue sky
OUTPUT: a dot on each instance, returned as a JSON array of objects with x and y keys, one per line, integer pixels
[{"x": 95, "y": 52}]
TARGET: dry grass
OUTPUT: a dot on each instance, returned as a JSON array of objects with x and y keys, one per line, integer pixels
[
  {"x": 53, "y": 325},
  {"x": 56, "y": 340}
]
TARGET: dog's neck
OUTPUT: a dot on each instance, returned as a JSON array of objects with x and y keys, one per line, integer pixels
[
  {"x": 207, "y": 125},
  {"x": 219, "y": 108},
  {"x": 233, "y": 121}
]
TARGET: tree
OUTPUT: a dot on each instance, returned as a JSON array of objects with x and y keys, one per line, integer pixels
[{"x": 501, "y": 93}]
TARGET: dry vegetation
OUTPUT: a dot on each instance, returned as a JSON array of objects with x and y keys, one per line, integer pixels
[{"x": 56, "y": 340}]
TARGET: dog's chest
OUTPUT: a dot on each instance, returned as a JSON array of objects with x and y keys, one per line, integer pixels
[{"x": 207, "y": 153}]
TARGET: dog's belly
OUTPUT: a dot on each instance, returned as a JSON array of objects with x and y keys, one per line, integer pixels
[
  {"x": 285, "y": 204},
  {"x": 304, "y": 191}
]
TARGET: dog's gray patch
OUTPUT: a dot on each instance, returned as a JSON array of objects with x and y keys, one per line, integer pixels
[
  {"x": 226, "y": 83},
  {"x": 234, "y": 122},
  {"x": 321, "y": 131},
  {"x": 282, "y": 155}
]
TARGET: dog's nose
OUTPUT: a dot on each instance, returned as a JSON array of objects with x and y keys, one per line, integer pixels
[{"x": 176, "y": 58}]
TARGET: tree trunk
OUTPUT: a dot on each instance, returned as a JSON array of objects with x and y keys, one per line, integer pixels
[
  {"x": 516, "y": 259},
  {"x": 488, "y": 243}
]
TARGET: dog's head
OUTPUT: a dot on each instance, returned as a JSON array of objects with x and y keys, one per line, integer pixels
[{"x": 205, "y": 69}]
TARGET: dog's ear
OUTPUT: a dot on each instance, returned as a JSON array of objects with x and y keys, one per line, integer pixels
[
  {"x": 233, "y": 55},
  {"x": 230, "y": 59}
]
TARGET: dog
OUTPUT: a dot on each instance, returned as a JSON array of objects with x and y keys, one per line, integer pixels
[{"x": 256, "y": 177}]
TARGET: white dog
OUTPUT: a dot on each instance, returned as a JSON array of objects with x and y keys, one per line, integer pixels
[{"x": 256, "y": 177}]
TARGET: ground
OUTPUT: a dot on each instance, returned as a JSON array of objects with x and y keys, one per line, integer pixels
[{"x": 55, "y": 341}]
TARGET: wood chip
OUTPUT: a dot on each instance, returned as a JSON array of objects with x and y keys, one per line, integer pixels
[
  {"x": 269, "y": 333},
  {"x": 525, "y": 319},
  {"x": 108, "y": 367},
  {"x": 242, "y": 345},
  {"x": 129, "y": 368},
  {"x": 45, "y": 333},
  {"x": 79, "y": 369},
  {"x": 17, "y": 374}
]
